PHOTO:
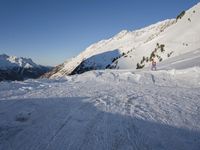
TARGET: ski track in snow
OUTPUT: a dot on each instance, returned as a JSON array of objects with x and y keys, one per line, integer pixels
[{"x": 103, "y": 110}]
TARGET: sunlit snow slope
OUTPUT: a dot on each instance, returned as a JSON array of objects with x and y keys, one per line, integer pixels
[{"x": 164, "y": 39}]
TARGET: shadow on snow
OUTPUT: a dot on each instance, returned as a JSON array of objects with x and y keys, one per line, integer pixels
[
  {"x": 74, "y": 123},
  {"x": 97, "y": 62}
]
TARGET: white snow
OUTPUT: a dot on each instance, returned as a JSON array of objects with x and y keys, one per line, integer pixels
[
  {"x": 7, "y": 62},
  {"x": 111, "y": 109},
  {"x": 183, "y": 61},
  {"x": 181, "y": 36},
  {"x": 122, "y": 42}
]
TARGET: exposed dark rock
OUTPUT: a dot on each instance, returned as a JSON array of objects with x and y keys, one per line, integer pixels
[
  {"x": 19, "y": 73},
  {"x": 53, "y": 71}
]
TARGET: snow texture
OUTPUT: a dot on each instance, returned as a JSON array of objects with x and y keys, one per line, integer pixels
[{"x": 111, "y": 109}]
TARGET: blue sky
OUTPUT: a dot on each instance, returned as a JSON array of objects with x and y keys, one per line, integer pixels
[{"x": 50, "y": 31}]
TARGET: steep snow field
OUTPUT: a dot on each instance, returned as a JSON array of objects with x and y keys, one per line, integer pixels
[
  {"x": 183, "y": 61},
  {"x": 166, "y": 39},
  {"x": 111, "y": 109},
  {"x": 186, "y": 60},
  {"x": 114, "y": 47},
  {"x": 178, "y": 39}
]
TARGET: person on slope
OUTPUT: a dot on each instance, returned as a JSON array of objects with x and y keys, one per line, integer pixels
[{"x": 153, "y": 65}]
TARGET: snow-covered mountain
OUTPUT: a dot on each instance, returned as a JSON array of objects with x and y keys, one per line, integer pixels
[
  {"x": 180, "y": 38},
  {"x": 19, "y": 68},
  {"x": 13, "y": 61},
  {"x": 136, "y": 49}
]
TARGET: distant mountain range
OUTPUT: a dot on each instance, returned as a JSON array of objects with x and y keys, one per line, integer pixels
[
  {"x": 136, "y": 49},
  {"x": 14, "y": 68}
]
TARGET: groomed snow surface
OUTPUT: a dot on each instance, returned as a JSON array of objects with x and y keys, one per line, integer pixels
[{"x": 103, "y": 110}]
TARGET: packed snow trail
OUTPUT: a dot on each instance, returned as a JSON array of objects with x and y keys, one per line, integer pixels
[{"x": 103, "y": 110}]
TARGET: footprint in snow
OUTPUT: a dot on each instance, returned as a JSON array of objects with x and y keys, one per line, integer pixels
[{"x": 23, "y": 116}]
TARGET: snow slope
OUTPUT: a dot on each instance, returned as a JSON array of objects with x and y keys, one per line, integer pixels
[
  {"x": 126, "y": 49},
  {"x": 112, "y": 109},
  {"x": 182, "y": 37},
  {"x": 183, "y": 61},
  {"x": 121, "y": 43}
]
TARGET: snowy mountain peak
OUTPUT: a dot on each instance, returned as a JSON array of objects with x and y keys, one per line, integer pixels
[
  {"x": 134, "y": 49},
  {"x": 121, "y": 34},
  {"x": 13, "y": 61},
  {"x": 19, "y": 68}
]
